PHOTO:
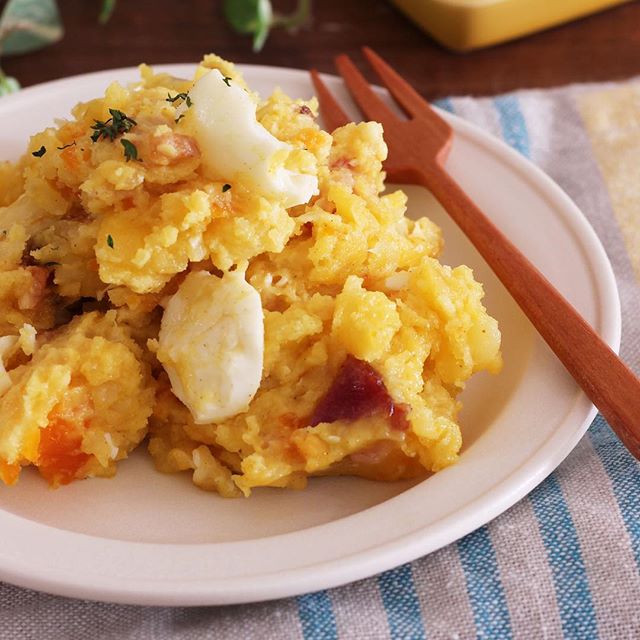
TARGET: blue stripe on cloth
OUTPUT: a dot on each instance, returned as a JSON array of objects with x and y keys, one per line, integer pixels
[
  {"x": 554, "y": 519},
  {"x": 401, "y": 605},
  {"x": 565, "y": 559},
  {"x": 316, "y": 616},
  {"x": 444, "y": 103},
  {"x": 624, "y": 473},
  {"x": 514, "y": 128},
  {"x": 484, "y": 586},
  {"x": 478, "y": 559}
]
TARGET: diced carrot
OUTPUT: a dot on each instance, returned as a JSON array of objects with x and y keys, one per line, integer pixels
[
  {"x": 71, "y": 158},
  {"x": 60, "y": 456},
  {"x": 9, "y": 472}
]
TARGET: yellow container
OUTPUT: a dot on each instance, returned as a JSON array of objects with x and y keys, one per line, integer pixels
[{"x": 469, "y": 24}]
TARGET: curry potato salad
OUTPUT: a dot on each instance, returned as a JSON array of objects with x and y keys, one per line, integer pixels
[{"x": 185, "y": 265}]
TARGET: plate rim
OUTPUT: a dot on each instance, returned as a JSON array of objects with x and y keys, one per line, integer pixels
[{"x": 407, "y": 546}]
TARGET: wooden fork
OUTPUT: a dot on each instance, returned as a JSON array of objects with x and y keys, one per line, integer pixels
[{"x": 418, "y": 149}]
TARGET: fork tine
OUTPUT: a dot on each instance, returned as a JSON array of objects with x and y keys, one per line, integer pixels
[
  {"x": 332, "y": 113},
  {"x": 408, "y": 98},
  {"x": 371, "y": 105}
]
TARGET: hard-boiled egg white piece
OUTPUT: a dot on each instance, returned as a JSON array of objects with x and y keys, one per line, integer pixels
[
  {"x": 211, "y": 344},
  {"x": 236, "y": 147}
]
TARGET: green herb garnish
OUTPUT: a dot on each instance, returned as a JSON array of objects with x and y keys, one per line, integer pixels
[
  {"x": 115, "y": 126},
  {"x": 227, "y": 80},
  {"x": 180, "y": 96},
  {"x": 40, "y": 152},
  {"x": 226, "y": 187},
  {"x": 130, "y": 150},
  {"x": 66, "y": 146},
  {"x": 110, "y": 241}
]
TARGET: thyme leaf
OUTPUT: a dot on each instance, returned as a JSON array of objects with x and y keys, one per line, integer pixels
[
  {"x": 115, "y": 126},
  {"x": 130, "y": 149},
  {"x": 180, "y": 96}
]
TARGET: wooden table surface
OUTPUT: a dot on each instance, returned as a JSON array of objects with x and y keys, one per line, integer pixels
[{"x": 603, "y": 46}]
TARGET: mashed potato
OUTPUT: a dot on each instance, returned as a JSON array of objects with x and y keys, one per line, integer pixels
[{"x": 184, "y": 261}]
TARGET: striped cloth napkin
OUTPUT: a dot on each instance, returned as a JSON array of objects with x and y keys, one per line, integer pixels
[{"x": 562, "y": 563}]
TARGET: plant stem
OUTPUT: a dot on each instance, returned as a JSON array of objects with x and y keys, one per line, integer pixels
[{"x": 295, "y": 19}]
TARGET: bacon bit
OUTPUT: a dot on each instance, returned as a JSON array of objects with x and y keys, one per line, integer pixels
[
  {"x": 304, "y": 110},
  {"x": 9, "y": 472},
  {"x": 60, "y": 456},
  {"x": 399, "y": 420},
  {"x": 128, "y": 203},
  {"x": 358, "y": 392},
  {"x": 167, "y": 149},
  {"x": 342, "y": 163},
  {"x": 185, "y": 146},
  {"x": 306, "y": 230},
  {"x": 32, "y": 297}
]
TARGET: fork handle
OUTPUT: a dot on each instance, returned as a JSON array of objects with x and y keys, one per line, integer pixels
[{"x": 607, "y": 381}]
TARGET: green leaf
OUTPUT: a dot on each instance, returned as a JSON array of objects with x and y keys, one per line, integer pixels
[
  {"x": 257, "y": 17},
  {"x": 130, "y": 149},
  {"x": 27, "y": 25},
  {"x": 8, "y": 84},
  {"x": 107, "y": 9},
  {"x": 245, "y": 16},
  {"x": 250, "y": 16}
]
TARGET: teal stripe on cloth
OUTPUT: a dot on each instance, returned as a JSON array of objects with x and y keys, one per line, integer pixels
[
  {"x": 561, "y": 543},
  {"x": 316, "y": 616},
  {"x": 480, "y": 567},
  {"x": 486, "y": 593},
  {"x": 401, "y": 605},
  {"x": 624, "y": 472},
  {"x": 512, "y": 123}
]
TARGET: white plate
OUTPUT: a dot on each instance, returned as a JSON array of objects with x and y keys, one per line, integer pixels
[{"x": 148, "y": 538}]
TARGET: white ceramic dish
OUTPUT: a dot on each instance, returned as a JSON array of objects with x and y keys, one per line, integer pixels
[{"x": 147, "y": 538}]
